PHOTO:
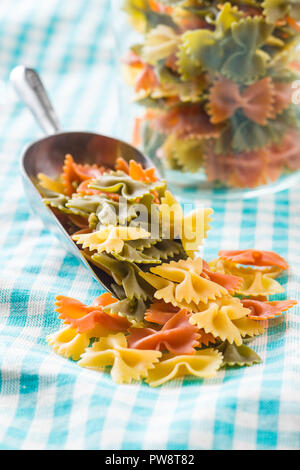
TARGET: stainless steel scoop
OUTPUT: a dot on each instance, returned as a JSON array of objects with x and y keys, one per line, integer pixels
[{"x": 47, "y": 156}]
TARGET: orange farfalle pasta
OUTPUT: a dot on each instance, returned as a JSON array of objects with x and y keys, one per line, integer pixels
[
  {"x": 90, "y": 319},
  {"x": 177, "y": 336},
  {"x": 254, "y": 257},
  {"x": 267, "y": 310},
  {"x": 76, "y": 173},
  {"x": 229, "y": 281},
  {"x": 244, "y": 169},
  {"x": 122, "y": 165},
  {"x": 186, "y": 121},
  {"x": 137, "y": 173},
  {"x": 256, "y": 100},
  {"x": 160, "y": 312},
  {"x": 145, "y": 79}
]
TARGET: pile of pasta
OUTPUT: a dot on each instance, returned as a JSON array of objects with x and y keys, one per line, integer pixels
[
  {"x": 217, "y": 79},
  {"x": 169, "y": 313}
]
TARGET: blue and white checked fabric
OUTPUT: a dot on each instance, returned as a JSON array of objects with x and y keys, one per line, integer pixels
[{"x": 48, "y": 402}]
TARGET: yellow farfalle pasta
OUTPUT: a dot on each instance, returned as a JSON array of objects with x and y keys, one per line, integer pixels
[
  {"x": 68, "y": 343},
  {"x": 256, "y": 281},
  {"x": 127, "y": 364},
  {"x": 160, "y": 43},
  {"x": 248, "y": 327},
  {"x": 110, "y": 238},
  {"x": 184, "y": 282},
  {"x": 203, "y": 364},
  {"x": 49, "y": 183},
  {"x": 171, "y": 216},
  {"x": 219, "y": 318},
  {"x": 194, "y": 229}
]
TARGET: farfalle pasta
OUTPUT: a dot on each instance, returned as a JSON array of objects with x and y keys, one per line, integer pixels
[
  {"x": 216, "y": 79},
  {"x": 170, "y": 313}
]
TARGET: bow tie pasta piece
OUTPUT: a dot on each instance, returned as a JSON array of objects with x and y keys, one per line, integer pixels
[
  {"x": 234, "y": 355},
  {"x": 160, "y": 312},
  {"x": 256, "y": 282},
  {"x": 160, "y": 43},
  {"x": 133, "y": 309},
  {"x": 194, "y": 230},
  {"x": 137, "y": 173},
  {"x": 248, "y": 327},
  {"x": 164, "y": 289},
  {"x": 121, "y": 183},
  {"x": 228, "y": 281},
  {"x": 91, "y": 319},
  {"x": 203, "y": 364},
  {"x": 247, "y": 62},
  {"x": 256, "y": 100},
  {"x": 218, "y": 318},
  {"x": 132, "y": 255},
  {"x": 110, "y": 238},
  {"x": 190, "y": 286},
  {"x": 254, "y": 257},
  {"x": 187, "y": 121},
  {"x": 127, "y": 274},
  {"x": 68, "y": 343},
  {"x": 48, "y": 183},
  {"x": 164, "y": 249},
  {"x": 74, "y": 173},
  {"x": 177, "y": 336},
  {"x": 201, "y": 48},
  {"x": 267, "y": 310},
  {"x": 127, "y": 364},
  {"x": 171, "y": 216}
]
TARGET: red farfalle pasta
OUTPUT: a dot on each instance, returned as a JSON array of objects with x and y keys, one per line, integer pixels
[
  {"x": 256, "y": 100},
  {"x": 186, "y": 121},
  {"x": 76, "y": 173},
  {"x": 160, "y": 312},
  {"x": 267, "y": 310},
  {"x": 230, "y": 282},
  {"x": 177, "y": 336},
  {"x": 254, "y": 257},
  {"x": 244, "y": 169},
  {"x": 85, "y": 318}
]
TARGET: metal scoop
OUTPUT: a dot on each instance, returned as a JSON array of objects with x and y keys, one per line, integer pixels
[{"x": 47, "y": 156}]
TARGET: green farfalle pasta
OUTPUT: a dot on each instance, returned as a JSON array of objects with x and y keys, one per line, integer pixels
[
  {"x": 134, "y": 309},
  {"x": 165, "y": 249},
  {"x": 234, "y": 355},
  {"x": 142, "y": 17},
  {"x": 120, "y": 183},
  {"x": 125, "y": 273}
]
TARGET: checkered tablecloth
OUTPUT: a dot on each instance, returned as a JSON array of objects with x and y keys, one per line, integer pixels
[{"x": 47, "y": 402}]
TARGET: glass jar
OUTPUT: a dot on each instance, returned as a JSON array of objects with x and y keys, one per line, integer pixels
[{"x": 213, "y": 90}]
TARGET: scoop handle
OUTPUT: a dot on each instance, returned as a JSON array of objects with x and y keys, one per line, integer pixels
[{"x": 31, "y": 90}]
